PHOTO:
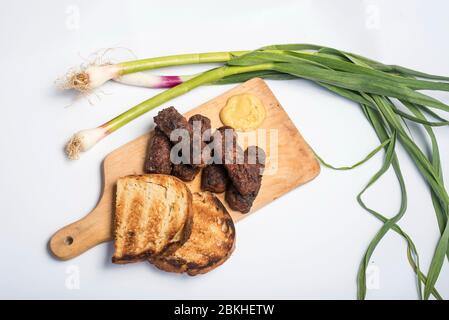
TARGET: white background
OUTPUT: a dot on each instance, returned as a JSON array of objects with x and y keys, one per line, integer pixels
[{"x": 307, "y": 244}]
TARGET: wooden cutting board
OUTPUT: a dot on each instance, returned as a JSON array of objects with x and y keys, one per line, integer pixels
[{"x": 289, "y": 165}]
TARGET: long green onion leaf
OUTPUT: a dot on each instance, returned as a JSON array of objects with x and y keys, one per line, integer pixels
[
  {"x": 367, "y": 82},
  {"x": 357, "y": 164}
]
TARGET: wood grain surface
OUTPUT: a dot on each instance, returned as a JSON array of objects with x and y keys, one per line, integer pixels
[{"x": 290, "y": 163}]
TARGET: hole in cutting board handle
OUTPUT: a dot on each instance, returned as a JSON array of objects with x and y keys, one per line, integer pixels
[{"x": 68, "y": 240}]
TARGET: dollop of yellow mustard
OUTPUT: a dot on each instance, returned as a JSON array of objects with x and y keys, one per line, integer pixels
[{"x": 243, "y": 112}]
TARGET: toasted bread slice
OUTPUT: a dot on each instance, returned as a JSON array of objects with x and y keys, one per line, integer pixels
[
  {"x": 211, "y": 241},
  {"x": 153, "y": 213}
]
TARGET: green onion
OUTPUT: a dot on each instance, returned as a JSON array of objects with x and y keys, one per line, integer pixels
[
  {"x": 93, "y": 76},
  {"x": 359, "y": 163},
  {"x": 368, "y": 83},
  {"x": 86, "y": 139}
]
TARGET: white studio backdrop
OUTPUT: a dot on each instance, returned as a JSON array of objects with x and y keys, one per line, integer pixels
[{"x": 307, "y": 244}]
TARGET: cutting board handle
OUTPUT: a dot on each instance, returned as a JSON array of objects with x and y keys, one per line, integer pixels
[{"x": 83, "y": 234}]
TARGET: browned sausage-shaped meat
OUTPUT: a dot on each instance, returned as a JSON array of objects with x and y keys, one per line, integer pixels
[
  {"x": 226, "y": 150},
  {"x": 203, "y": 123},
  {"x": 158, "y": 154},
  {"x": 214, "y": 178},
  {"x": 169, "y": 119},
  {"x": 200, "y": 125},
  {"x": 238, "y": 202},
  {"x": 224, "y": 146},
  {"x": 256, "y": 155},
  {"x": 255, "y": 159},
  {"x": 201, "y": 129},
  {"x": 185, "y": 172},
  {"x": 246, "y": 176}
]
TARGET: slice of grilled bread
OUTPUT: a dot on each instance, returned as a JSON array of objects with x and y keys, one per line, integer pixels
[
  {"x": 153, "y": 213},
  {"x": 211, "y": 241}
]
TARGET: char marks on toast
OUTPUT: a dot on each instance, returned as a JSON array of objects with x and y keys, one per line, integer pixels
[
  {"x": 153, "y": 214},
  {"x": 211, "y": 241}
]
